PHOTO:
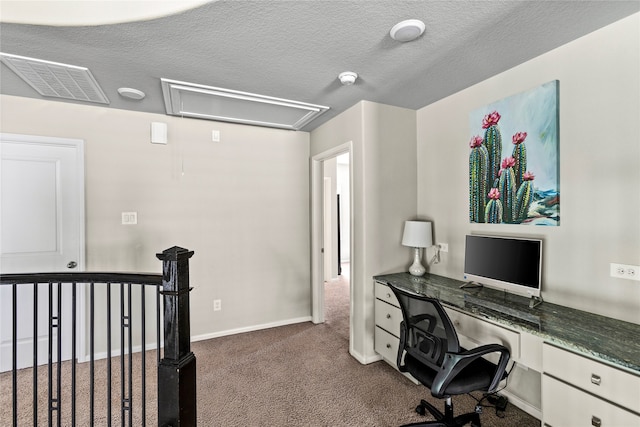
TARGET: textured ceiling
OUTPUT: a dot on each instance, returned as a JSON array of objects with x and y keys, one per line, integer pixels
[{"x": 296, "y": 49}]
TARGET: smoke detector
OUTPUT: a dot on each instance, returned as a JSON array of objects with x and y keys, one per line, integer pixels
[
  {"x": 407, "y": 31},
  {"x": 131, "y": 93},
  {"x": 347, "y": 78}
]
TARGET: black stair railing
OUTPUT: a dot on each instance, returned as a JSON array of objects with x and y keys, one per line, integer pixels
[{"x": 176, "y": 369}]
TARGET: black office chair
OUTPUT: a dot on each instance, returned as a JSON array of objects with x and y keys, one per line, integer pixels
[{"x": 429, "y": 350}]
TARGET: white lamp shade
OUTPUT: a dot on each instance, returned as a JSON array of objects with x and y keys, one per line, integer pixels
[{"x": 417, "y": 234}]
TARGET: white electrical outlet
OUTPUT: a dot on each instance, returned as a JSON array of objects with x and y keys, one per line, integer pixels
[
  {"x": 444, "y": 247},
  {"x": 217, "y": 304},
  {"x": 624, "y": 271},
  {"x": 215, "y": 135}
]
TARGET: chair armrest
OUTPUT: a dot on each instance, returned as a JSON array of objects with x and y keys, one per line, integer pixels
[
  {"x": 455, "y": 362},
  {"x": 403, "y": 340}
]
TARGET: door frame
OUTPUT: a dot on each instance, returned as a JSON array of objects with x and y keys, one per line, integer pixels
[
  {"x": 78, "y": 146},
  {"x": 317, "y": 233}
]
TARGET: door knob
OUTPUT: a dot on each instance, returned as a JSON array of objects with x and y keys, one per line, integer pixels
[{"x": 72, "y": 264}]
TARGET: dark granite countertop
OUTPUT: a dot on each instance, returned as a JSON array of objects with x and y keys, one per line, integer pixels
[{"x": 603, "y": 338}]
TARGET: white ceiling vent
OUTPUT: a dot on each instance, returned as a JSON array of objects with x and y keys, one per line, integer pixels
[
  {"x": 56, "y": 80},
  {"x": 213, "y": 103}
]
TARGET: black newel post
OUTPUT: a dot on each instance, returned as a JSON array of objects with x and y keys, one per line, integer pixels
[{"x": 177, "y": 370}]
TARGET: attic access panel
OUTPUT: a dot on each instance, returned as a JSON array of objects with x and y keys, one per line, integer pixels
[{"x": 213, "y": 103}]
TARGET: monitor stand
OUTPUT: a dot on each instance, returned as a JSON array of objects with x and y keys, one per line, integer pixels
[
  {"x": 535, "y": 301},
  {"x": 470, "y": 285}
]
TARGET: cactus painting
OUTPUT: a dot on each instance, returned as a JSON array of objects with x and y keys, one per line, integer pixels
[
  {"x": 517, "y": 182},
  {"x": 478, "y": 169}
]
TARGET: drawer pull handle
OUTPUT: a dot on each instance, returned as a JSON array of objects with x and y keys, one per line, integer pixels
[
  {"x": 595, "y": 379},
  {"x": 388, "y": 316},
  {"x": 388, "y": 345},
  {"x": 388, "y": 295},
  {"x": 595, "y": 421}
]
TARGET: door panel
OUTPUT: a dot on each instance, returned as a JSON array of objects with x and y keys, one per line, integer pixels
[{"x": 41, "y": 230}]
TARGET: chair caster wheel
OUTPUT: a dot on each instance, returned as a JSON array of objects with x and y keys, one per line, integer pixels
[{"x": 420, "y": 409}]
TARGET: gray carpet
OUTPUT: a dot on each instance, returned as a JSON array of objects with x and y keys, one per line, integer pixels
[
  {"x": 303, "y": 375},
  {"x": 297, "y": 375}
]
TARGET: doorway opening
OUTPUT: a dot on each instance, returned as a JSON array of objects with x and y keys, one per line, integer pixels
[
  {"x": 332, "y": 250},
  {"x": 336, "y": 242}
]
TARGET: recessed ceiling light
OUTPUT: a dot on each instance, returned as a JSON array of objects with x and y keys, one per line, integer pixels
[
  {"x": 407, "y": 31},
  {"x": 130, "y": 93}
]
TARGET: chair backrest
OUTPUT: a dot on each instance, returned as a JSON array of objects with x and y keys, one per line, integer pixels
[{"x": 427, "y": 333}]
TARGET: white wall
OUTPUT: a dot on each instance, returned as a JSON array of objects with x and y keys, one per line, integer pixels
[
  {"x": 343, "y": 171},
  {"x": 384, "y": 194},
  {"x": 599, "y": 78},
  {"x": 242, "y": 205},
  {"x": 330, "y": 167}
]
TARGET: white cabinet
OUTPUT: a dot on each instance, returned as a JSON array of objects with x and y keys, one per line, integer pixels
[
  {"x": 579, "y": 391},
  {"x": 387, "y": 317},
  {"x": 387, "y": 333}
]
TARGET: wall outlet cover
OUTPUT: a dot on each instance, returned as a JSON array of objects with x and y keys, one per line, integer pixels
[{"x": 624, "y": 271}]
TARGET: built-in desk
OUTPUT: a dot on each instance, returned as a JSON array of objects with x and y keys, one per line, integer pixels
[{"x": 574, "y": 351}]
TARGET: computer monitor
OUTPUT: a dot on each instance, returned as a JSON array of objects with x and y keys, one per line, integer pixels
[{"x": 507, "y": 263}]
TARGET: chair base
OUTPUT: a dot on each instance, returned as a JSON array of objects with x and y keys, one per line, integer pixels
[{"x": 447, "y": 419}]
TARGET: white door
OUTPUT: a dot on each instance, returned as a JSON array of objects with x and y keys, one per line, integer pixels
[{"x": 41, "y": 230}]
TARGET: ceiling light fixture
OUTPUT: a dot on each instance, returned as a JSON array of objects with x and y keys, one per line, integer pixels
[
  {"x": 408, "y": 30},
  {"x": 131, "y": 93},
  {"x": 347, "y": 78}
]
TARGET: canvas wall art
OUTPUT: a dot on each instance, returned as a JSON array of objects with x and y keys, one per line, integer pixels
[{"x": 514, "y": 159}]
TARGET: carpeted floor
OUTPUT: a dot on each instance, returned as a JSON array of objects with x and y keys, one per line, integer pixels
[
  {"x": 297, "y": 375},
  {"x": 303, "y": 375}
]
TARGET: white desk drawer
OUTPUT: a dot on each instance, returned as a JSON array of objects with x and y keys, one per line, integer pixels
[
  {"x": 597, "y": 378},
  {"x": 474, "y": 332},
  {"x": 567, "y": 406},
  {"x": 384, "y": 293},
  {"x": 388, "y": 317},
  {"x": 386, "y": 345}
]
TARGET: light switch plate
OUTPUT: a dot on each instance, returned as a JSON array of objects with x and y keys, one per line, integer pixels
[{"x": 129, "y": 218}]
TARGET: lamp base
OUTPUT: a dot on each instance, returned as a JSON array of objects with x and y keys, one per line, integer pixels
[{"x": 416, "y": 268}]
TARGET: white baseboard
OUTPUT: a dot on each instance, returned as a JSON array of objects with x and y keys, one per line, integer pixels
[
  {"x": 365, "y": 360},
  {"x": 152, "y": 346},
  {"x": 250, "y": 328}
]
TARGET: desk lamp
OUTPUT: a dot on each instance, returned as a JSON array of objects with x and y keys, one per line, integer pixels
[{"x": 417, "y": 234}]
